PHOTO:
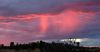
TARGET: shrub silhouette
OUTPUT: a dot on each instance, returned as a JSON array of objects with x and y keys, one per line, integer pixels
[{"x": 49, "y": 47}]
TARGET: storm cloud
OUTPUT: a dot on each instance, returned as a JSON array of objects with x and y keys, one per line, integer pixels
[
  {"x": 21, "y": 7},
  {"x": 48, "y": 19}
]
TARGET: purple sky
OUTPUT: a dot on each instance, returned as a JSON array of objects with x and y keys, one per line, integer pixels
[{"x": 29, "y": 20}]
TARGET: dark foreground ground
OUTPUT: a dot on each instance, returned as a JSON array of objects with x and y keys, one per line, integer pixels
[
  {"x": 23, "y": 50},
  {"x": 47, "y": 47},
  {"x": 51, "y": 50}
]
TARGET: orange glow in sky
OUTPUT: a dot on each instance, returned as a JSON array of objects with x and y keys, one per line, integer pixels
[{"x": 65, "y": 22}]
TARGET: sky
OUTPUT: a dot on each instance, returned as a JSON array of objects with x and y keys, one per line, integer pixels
[{"x": 30, "y": 20}]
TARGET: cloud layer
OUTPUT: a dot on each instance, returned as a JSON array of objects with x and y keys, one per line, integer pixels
[
  {"x": 48, "y": 19},
  {"x": 23, "y": 7}
]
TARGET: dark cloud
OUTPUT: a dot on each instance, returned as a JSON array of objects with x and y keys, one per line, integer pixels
[
  {"x": 23, "y": 25},
  {"x": 22, "y": 7}
]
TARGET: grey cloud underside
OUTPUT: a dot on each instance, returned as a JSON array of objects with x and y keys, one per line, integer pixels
[{"x": 22, "y": 7}]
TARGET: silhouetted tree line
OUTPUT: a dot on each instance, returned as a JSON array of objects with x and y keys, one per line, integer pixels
[{"x": 48, "y": 47}]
